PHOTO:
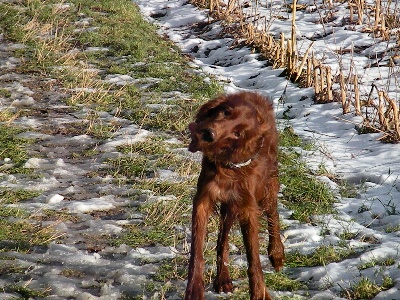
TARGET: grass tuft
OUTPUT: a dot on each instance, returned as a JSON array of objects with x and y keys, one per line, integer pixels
[
  {"x": 322, "y": 256},
  {"x": 8, "y": 195},
  {"x": 12, "y": 150},
  {"x": 367, "y": 288},
  {"x": 302, "y": 192},
  {"x": 22, "y": 235}
]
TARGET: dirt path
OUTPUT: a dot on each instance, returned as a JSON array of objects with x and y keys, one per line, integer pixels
[{"x": 84, "y": 207}]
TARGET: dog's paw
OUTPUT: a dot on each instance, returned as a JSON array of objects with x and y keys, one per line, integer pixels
[
  {"x": 259, "y": 292},
  {"x": 223, "y": 285},
  {"x": 264, "y": 296},
  {"x": 276, "y": 255},
  {"x": 194, "y": 292},
  {"x": 194, "y": 295}
]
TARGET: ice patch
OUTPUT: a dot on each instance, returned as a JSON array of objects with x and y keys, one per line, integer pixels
[
  {"x": 153, "y": 254},
  {"x": 94, "y": 204},
  {"x": 119, "y": 79},
  {"x": 55, "y": 199},
  {"x": 134, "y": 137},
  {"x": 23, "y": 101}
]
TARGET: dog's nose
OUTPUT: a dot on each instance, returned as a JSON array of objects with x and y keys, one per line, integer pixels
[{"x": 207, "y": 135}]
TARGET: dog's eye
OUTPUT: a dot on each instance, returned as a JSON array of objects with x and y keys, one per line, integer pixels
[
  {"x": 227, "y": 112},
  {"x": 237, "y": 134}
]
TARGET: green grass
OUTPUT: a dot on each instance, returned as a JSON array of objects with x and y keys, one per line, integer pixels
[
  {"x": 378, "y": 262},
  {"x": 18, "y": 231},
  {"x": 151, "y": 146},
  {"x": 146, "y": 55},
  {"x": 322, "y": 256},
  {"x": 22, "y": 235},
  {"x": 281, "y": 282},
  {"x": 4, "y": 93},
  {"x": 171, "y": 269},
  {"x": 8, "y": 23},
  {"x": 302, "y": 192},
  {"x": 143, "y": 159},
  {"x": 25, "y": 292},
  {"x": 13, "y": 148},
  {"x": 145, "y": 236},
  {"x": 7, "y": 211},
  {"x": 8, "y": 195},
  {"x": 175, "y": 269},
  {"x": 7, "y": 266},
  {"x": 367, "y": 288},
  {"x": 392, "y": 228}
]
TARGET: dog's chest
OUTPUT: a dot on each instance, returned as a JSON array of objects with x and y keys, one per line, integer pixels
[{"x": 229, "y": 190}]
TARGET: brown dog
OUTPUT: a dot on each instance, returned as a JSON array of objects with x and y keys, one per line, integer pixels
[{"x": 238, "y": 138}]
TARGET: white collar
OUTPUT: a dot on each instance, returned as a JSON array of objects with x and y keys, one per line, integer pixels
[
  {"x": 239, "y": 165},
  {"x": 247, "y": 162}
]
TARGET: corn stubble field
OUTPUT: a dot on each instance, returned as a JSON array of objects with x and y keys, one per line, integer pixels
[
  {"x": 331, "y": 69},
  {"x": 126, "y": 95}
]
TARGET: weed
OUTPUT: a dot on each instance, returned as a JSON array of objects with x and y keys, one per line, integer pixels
[
  {"x": 12, "y": 150},
  {"x": 347, "y": 190},
  {"x": 22, "y": 235},
  {"x": 367, "y": 288},
  {"x": 322, "y": 255},
  {"x": 71, "y": 273},
  {"x": 392, "y": 228},
  {"x": 5, "y": 93},
  {"x": 26, "y": 292},
  {"x": 8, "y": 268},
  {"x": 174, "y": 269},
  {"x": 378, "y": 262},
  {"x": 281, "y": 282},
  {"x": 14, "y": 196},
  {"x": 144, "y": 236}
]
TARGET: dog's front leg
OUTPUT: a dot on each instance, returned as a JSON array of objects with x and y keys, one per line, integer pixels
[
  {"x": 223, "y": 282},
  {"x": 249, "y": 226},
  {"x": 201, "y": 211}
]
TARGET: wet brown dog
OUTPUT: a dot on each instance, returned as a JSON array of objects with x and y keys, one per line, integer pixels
[{"x": 238, "y": 138}]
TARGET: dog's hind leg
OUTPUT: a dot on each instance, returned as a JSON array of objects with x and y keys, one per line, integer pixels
[{"x": 270, "y": 206}]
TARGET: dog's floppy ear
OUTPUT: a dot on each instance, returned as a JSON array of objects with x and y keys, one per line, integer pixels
[
  {"x": 205, "y": 110},
  {"x": 262, "y": 119},
  {"x": 265, "y": 111}
]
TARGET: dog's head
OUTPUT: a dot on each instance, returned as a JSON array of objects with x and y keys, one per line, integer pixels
[{"x": 231, "y": 130}]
